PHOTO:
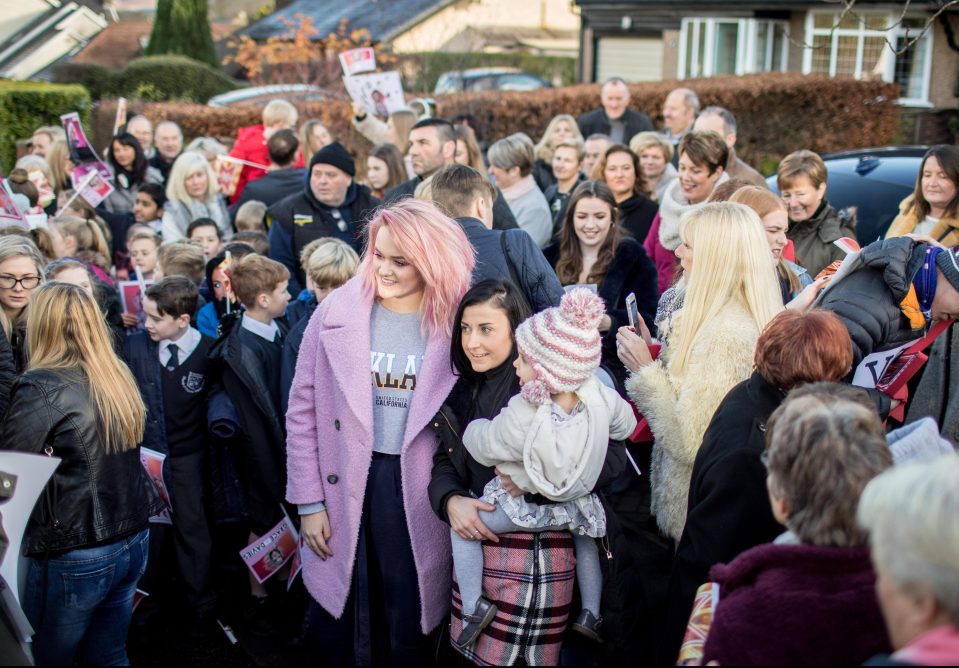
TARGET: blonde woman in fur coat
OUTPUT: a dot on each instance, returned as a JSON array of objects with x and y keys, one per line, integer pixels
[{"x": 732, "y": 293}]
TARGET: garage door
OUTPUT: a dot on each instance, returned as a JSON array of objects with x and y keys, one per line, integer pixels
[{"x": 632, "y": 58}]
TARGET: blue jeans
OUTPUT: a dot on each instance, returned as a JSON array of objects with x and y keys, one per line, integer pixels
[{"x": 80, "y": 602}]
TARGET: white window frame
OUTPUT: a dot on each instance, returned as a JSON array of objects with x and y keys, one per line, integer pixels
[
  {"x": 889, "y": 54},
  {"x": 747, "y": 38}
]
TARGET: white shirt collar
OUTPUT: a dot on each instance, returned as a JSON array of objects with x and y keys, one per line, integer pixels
[
  {"x": 185, "y": 345},
  {"x": 267, "y": 332}
]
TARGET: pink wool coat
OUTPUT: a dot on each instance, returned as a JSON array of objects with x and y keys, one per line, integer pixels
[{"x": 330, "y": 444}]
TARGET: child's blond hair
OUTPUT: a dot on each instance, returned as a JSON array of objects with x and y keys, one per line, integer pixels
[
  {"x": 331, "y": 263},
  {"x": 249, "y": 217}
]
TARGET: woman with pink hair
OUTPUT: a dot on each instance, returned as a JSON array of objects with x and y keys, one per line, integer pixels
[{"x": 359, "y": 447}]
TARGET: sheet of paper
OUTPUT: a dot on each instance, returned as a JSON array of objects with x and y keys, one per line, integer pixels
[
  {"x": 380, "y": 93},
  {"x": 32, "y": 473}
]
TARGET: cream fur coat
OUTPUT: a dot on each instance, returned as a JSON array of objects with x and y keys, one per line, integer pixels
[{"x": 679, "y": 408}]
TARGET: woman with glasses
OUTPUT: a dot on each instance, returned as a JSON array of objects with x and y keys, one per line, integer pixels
[
  {"x": 21, "y": 271},
  {"x": 87, "y": 539}
]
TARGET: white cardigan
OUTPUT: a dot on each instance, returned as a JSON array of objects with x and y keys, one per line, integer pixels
[
  {"x": 679, "y": 408},
  {"x": 526, "y": 445}
]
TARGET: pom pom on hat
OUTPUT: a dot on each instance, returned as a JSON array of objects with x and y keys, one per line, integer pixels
[{"x": 562, "y": 344}]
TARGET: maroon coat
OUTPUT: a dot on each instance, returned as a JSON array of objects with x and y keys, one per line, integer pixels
[{"x": 796, "y": 605}]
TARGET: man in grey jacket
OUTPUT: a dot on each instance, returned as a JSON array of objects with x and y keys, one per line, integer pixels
[{"x": 464, "y": 194}]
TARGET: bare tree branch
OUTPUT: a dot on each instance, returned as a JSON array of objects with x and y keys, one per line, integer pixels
[{"x": 849, "y": 10}]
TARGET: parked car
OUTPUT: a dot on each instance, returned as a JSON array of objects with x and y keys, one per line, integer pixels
[
  {"x": 488, "y": 78},
  {"x": 874, "y": 180},
  {"x": 260, "y": 95}
]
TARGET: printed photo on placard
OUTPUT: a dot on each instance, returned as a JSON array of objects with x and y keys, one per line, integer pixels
[
  {"x": 356, "y": 61},
  {"x": 380, "y": 93},
  {"x": 131, "y": 296},
  {"x": 10, "y": 213},
  {"x": 99, "y": 186},
  {"x": 268, "y": 553},
  {"x": 80, "y": 148}
]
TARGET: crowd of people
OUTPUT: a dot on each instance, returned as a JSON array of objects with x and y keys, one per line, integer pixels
[{"x": 594, "y": 397}]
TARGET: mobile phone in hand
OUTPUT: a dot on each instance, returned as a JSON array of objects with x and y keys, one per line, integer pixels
[{"x": 633, "y": 311}]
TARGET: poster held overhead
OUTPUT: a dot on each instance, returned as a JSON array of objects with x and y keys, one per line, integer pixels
[
  {"x": 80, "y": 148},
  {"x": 380, "y": 93},
  {"x": 357, "y": 61}
]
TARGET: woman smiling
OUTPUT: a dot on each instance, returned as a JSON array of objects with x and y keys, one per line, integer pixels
[
  {"x": 702, "y": 159},
  {"x": 359, "y": 457},
  {"x": 619, "y": 168},
  {"x": 594, "y": 250}
]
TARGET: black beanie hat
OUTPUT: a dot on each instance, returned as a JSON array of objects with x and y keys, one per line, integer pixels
[
  {"x": 948, "y": 264},
  {"x": 334, "y": 154}
]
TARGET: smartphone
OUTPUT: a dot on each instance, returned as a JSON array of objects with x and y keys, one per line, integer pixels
[{"x": 633, "y": 311}]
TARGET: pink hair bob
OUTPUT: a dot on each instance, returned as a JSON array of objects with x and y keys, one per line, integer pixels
[{"x": 436, "y": 246}]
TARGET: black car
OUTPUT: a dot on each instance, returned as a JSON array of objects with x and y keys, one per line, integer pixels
[{"x": 874, "y": 180}]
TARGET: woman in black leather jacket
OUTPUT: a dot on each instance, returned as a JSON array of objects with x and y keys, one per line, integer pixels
[{"x": 88, "y": 536}]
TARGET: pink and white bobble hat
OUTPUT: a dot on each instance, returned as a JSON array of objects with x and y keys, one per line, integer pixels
[{"x": 562, "y": 344}]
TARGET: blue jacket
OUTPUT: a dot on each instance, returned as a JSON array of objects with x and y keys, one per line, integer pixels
[
  {"x": 207, "y": 320},
  {"x": 535, "y": 276},
  {"x": 301, "y": 307}
]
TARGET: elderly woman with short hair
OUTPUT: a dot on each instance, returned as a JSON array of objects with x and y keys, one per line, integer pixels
[
  {"x": 910, "y": 513},
  {"x": 816, "y": 581},
  {"x": 511, "y": 166}
]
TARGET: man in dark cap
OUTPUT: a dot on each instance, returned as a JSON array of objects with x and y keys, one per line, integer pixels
[{"x": 331, "y": 205}]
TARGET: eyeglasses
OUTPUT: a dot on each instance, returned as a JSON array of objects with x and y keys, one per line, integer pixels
[{"x": 27, "y": 282}]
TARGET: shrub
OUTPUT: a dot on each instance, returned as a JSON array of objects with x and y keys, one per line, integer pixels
[
  {"x": 172, "y": 77},
  {"x": 422, "y": 70},
  {"x": 776, "y": 113},
  {"x": 26, "y": 105},
  {"x": 99, "y": 80}
]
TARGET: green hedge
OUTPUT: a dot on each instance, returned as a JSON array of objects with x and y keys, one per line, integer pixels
[
  {"x": 158, "y": 78},
  {"x": 151, "y": 78},
  {"x": 26, "y": 105},
  {"x": 422, "y": 70}
]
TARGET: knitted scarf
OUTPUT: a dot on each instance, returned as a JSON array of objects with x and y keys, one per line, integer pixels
[{"x": 671, "y": 209}]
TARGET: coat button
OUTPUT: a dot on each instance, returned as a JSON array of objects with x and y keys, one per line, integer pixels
[
  {"x": 332, "y": 478},
  {"x": 336, "y": 424}
]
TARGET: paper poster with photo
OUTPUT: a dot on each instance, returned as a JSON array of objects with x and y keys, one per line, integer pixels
[
  {"x": 45, "y": 193},
  {"x": 357, "y": 61},
  {"x": 153, "y": 464},
  {"x": 297, "y": 564},
  {"x": 95, "y": 182},
  {"x": 874, "y": 366},
  {"x": 270, "y": 552},
  {"x": 131, "y": 296},
  {"x": 10, "y": 213},
  {"x": 80, "y": 148},
  {"x": 120, "y": 121},
  {"x": 227, "y": 175},
  {"x": 380, "y": 93}
]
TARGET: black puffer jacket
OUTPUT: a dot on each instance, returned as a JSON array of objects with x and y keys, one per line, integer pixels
[
  {"x": 94, "y": 496},
  {"x": 867, "y": 298}
]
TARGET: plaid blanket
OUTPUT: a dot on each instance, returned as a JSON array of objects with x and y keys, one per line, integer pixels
[{"x": 530, "y": 577}]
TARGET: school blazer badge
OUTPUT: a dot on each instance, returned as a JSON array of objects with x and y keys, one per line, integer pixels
[{"x": 192, "y": 382}]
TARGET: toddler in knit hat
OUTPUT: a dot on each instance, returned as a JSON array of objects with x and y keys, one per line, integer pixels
[{"x": 551, "y": 439}]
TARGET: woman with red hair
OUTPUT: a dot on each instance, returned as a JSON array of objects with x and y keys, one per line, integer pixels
[
  {"x": 728, "y": 505},
  {"x": 372, "y": 372}
]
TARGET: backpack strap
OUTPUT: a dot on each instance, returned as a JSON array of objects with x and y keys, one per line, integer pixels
[{"x": 504, "y": 244}]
